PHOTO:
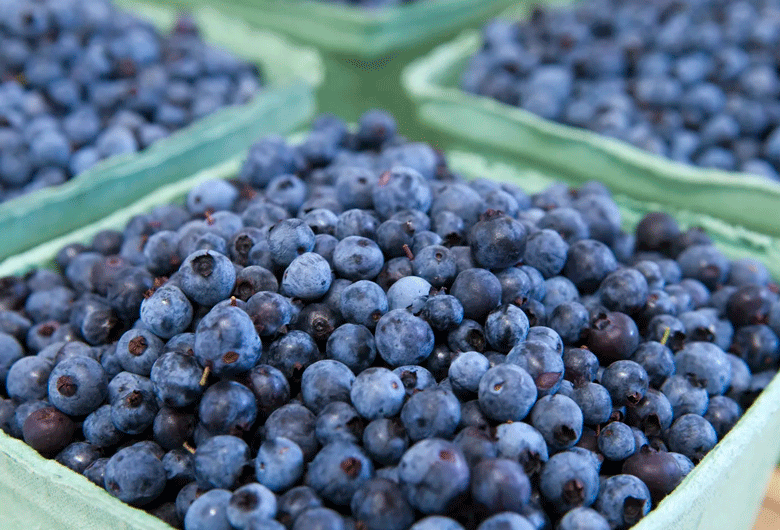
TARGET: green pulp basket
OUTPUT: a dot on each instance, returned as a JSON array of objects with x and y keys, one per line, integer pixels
[
  {"x": 364, "y": 32},
  {"x": 576, "y": 154},
  {"x": 723, "y": 493},
  {"x": 291, "y": 75}
]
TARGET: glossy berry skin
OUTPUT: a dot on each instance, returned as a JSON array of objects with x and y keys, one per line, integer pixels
[
  {"x": 657, "y": 360},
  {"x": 226, "y": 341},
  {"x": 133, "y": 409},
  {"x": 583, "y": 519},
  {"x": 613, "y": 336},
  {"x": 271, "y": 389},
  {"x": 402, "y": 338},
  {"x": 167, "y": 312},
  {"x": 135, "y": 476},
  {"x": 569, "y": 480},
  {"x": 377, "y": 393},
  {"x": 707, "y": 363},
  {"x": 269, "y": 311},
  {"x": 433, "y": 473},
  {"x": 443, "y": 312},
  {"x": 401, "y": 188},
  {"x": 507, "y": 393},
  {"x": 580, "y": 364},
  {"x": 219, "y": 462},
  {"x": 337, "y": 471},
  {"x": 207, "y": 277},
  {"x": 77, "y": 386},
  {"x": 48, "y": 431},
  {"x": 279, "y": 464},
  {"x": 209, "y": 511},
  {"x": 500, "y": 485},
  {"x": 685, "y": 395},
  {"x": 588, "y": 263},
  {"x": 723, "y": 413},
  {"x": 319, "y": 519},
  {"x": 657, "y": 469},
  {"x": 543, "y": 363},
  {"x": 380, "y": 505},
  {"x": 626, "y": 381},
  {"x": 623, "y": 500}
]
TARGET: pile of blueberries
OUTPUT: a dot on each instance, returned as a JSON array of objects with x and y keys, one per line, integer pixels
[
  {"x": 83, "y": 81},
  {"x": 349, "y": 335},
  {"x": 371, "y": 3},
  {"x": 692, "y": 80}
]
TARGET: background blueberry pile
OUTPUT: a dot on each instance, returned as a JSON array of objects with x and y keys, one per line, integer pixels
[
  {"x": 349, "y": 335},
  {"x": 695, "y": 81},
  {"x": 370, "y": 3},
  {"x": 83, "y": 81}
]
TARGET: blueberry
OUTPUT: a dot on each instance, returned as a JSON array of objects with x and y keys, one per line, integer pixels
[
  {"x": 227, "y": 407},
  {"x": 569, "y": 480},
  {"x": 466, "y": 371},
  {"x": 78, "y": 456},
  {"x": 507, "y": 393},
  {"x": 377, "y": 393},
  {"x": 251, "y": 501},
  {"x": 399, "y": 189},
  {"x": 338, "y": 470},
  {"x": 77, "y": 386},
  {"x": 692, "y": 436},
  {"x": 137, "y": 350},
  {"x": 220, "y": 461},
  {"x": 433, "y": 413},
  {"x": 583, "y": 518},
  {"x": 357, "y": 258},
  {"x": 613, "y": 336},
  {"x": 626, "y": 381},
  {"x": 385, "y": 440},
  {"x": 723, "y": 413},
  {"x": 433, "y": 473},
  {"x": 207, "y": 277},
  {"x": 209, "y": 511},
  {"x": 408, "y": 293},
  {"x": 319, "y": 519},
  {"x": 498, "y": 241},
  {"x": 270, "y": 312},
  {"x": 226, "y": 341},
  {"x": 436, "y": 522},
  {"x": 519, "y": 441},
  {"x": 28, "y": 378},
  {"x": 506, "y": 327},
  {"x": 363, "y": 302},
  {"x": 443, "y": 312},
  {"x": 500, "y": 485},
  {"x": 135, "y": 476},
  {"x": 594, "y": 401},
  {"x": 478, "y": 290},
  {"x": 325, "y": 382},
  {"x": 686, "y": 395},
  {"x": 588, "y": 263},
  {"x": 623, "y": 500},
  {"x": 707, "y": 363},
  {"x": 296, "y": 423},
  {"x": 402, "y": 338},
  {"x": 176, "y": 379},
  {"x": 99, "y": 430},
  {"x": 46, "y": 429},
  {"x": 279, "y": 464},
  {"x": 379, "y": 504},
  {"x": 510, "y": 520},
  {"x": 293, "y": 352}
]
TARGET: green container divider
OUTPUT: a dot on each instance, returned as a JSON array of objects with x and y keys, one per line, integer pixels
[
  {"x": 575, "y": 154},
  {"x": 363, "y": 32},
  {"x": 723, "y": 492},
  {"x": 291, "y": 74}
]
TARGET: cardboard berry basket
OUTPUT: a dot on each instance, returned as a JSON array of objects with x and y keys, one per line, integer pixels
[
  {"x": 290, "y": 76},
  {"x": 433, "y": 82},
  {"x": 723, "y": 492},
  {"x": 364, "y": 49}
]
